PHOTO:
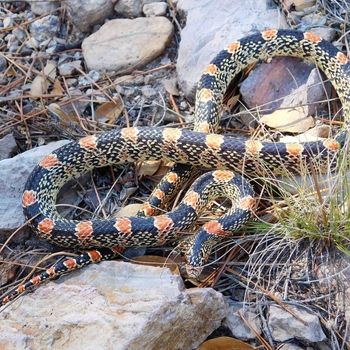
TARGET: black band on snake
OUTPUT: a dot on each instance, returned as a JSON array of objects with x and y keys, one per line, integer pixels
[{"x": 196, "y": 148}]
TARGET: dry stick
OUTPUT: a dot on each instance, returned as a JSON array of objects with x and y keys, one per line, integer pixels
[
  {"x": 174, "y": 105},
  {"x": 260, "y": 338}
]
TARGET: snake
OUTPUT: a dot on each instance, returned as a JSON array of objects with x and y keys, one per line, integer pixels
[{"x": 226, "y": 159}]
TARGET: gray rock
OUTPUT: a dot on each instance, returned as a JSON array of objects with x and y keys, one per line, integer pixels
[
  {"x": 237, "y": 326},
  {"x": 326, "y": 33},
  {"x": 155, "y": 9},
  {"x": 7, "y": 146},
  {"x": 290, "y": 347},
  {"x": 125, "y": 44},
  {"x": 86, "y": 13},
  {"x": 284, "y": 326},
  {"x": 69, "y": 68},
  {"x": 44, "y": 28},
  {"x": 19, "y": 33},
  {"x": 13, "y": 175},
  {"x": 90, "y": 78},
  {"x": 43, "y": 7},
  {"x": 129, "y": 8},
  {"x": 314, "y": 19},
  {"x": 3, "y": 63},
  {"x": 148, "y": 91},
  {"x": 223, "y": 24},
  {"x": 8, "y": 22},
  {"x": 114, "y": 306}
]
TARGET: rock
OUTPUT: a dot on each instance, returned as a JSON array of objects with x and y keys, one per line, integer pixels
[
  {"x": 237, "y": 326},
  {"x": 3, "y": 63},
  {"x": 301, "y": 85},
  {"x": 69, "y": 68},
  {"x": 43, "y": 7},
  {"x": 314, "y": 19},
  {"x": 290, "y": 347},
  {"x": 129, "y": 8},
  {"x": 293, "y": 120},
  {"x": 284, "y": 326},
  {"x": 86, "y": 13},
  {"x": 7, "y": 146},
  {"x": 44, "y": 28},
  {"x": 223, "y": 24},
  {"x": 155, "y": 9},
  {"x": 19, "y": 33},
  {"x": 114, "y": 305},
  {"x": 125, "y": 44},
  {"x": 300, "y": 5},
  {"x": 170, "y": 85},
  {"x": 326, "y": 33},
  {"x": 90, "y": 78},
  {"x": 13, "y": 175},
  {"x": 8, "y": 22},
  {"x": 148, "y": 91}
]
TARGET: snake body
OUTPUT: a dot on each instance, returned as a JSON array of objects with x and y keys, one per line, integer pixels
[{"x": 200, "y": 147}]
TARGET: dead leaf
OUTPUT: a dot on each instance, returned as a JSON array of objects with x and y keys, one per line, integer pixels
[
  {"x": 232, "y": 102},
  {"x": 41, "y": 82},
  {"x": 64, "y": 118},
  {"x": 158, "y": 261},
  {"x": 149, "y": 167},
  {"x": 289, "y": 120},
  {"x": 57, "y": 88},
  {"x": 109, "y": 111},
  {"x": 225, "y": 343},
  {"x": 129, "y": 210}
]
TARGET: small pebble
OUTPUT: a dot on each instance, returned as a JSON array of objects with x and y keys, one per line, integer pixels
[
  {"x": 155, "y": 9},
  {"x": 91, "y": 77},
  {"x": 3, "y": 63},
  {"x": 148, "y": 91},
  {"x": 69, "y": 68},
  {"x": 19, "y": 34},
  {"x": 8, "y": 22}
]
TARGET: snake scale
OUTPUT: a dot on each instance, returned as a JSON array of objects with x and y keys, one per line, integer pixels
[{"x": 103, "y": 239}]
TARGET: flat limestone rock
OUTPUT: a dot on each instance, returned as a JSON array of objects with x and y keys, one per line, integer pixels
[
  {"x": 13, "y": 176},
  {"x": 122, "y": 45},
  {"x": 210, "y": 28},
  {"x": 113, "y": 305}
]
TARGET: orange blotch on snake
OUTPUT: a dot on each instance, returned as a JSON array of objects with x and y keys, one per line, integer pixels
[
  {"x": 46, "y": 226},
  {"x": 192, "y": 199},
  {"x": 294, "y": 149},
  {"x": 223, "y": 175},
  {"x": 233, "y": 47},
  {"x": 312, "y": 37},
  {"x": 88, "y": 142},
  {"x": 214, "y": 141},
  {"x": 214, "y": 228},
  {"x": 163, "y": 223},
  {"x": 253, "y": 147},
  {"x": 70, "y": 264},
  {"x": 49, "y": 161},
  {"x": 342, "y": 58},
  {"x": 130, "y": 134},
  {"x": 269, "y": 34},
  {"x": 247, "y": 203},
  {"x": 28, "y": 198},
  {"x": 331, "y": 144},
  {"x": 123, "y": 225},
  {"x": 211, "y": 69},
  {"x": 205, "y": 95},
  {"x": 84, "y": 231},
  {"x": 95, "y": 256},
  {"x": 36, "y": 280},
  {"x": 171, "y": 135}
]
